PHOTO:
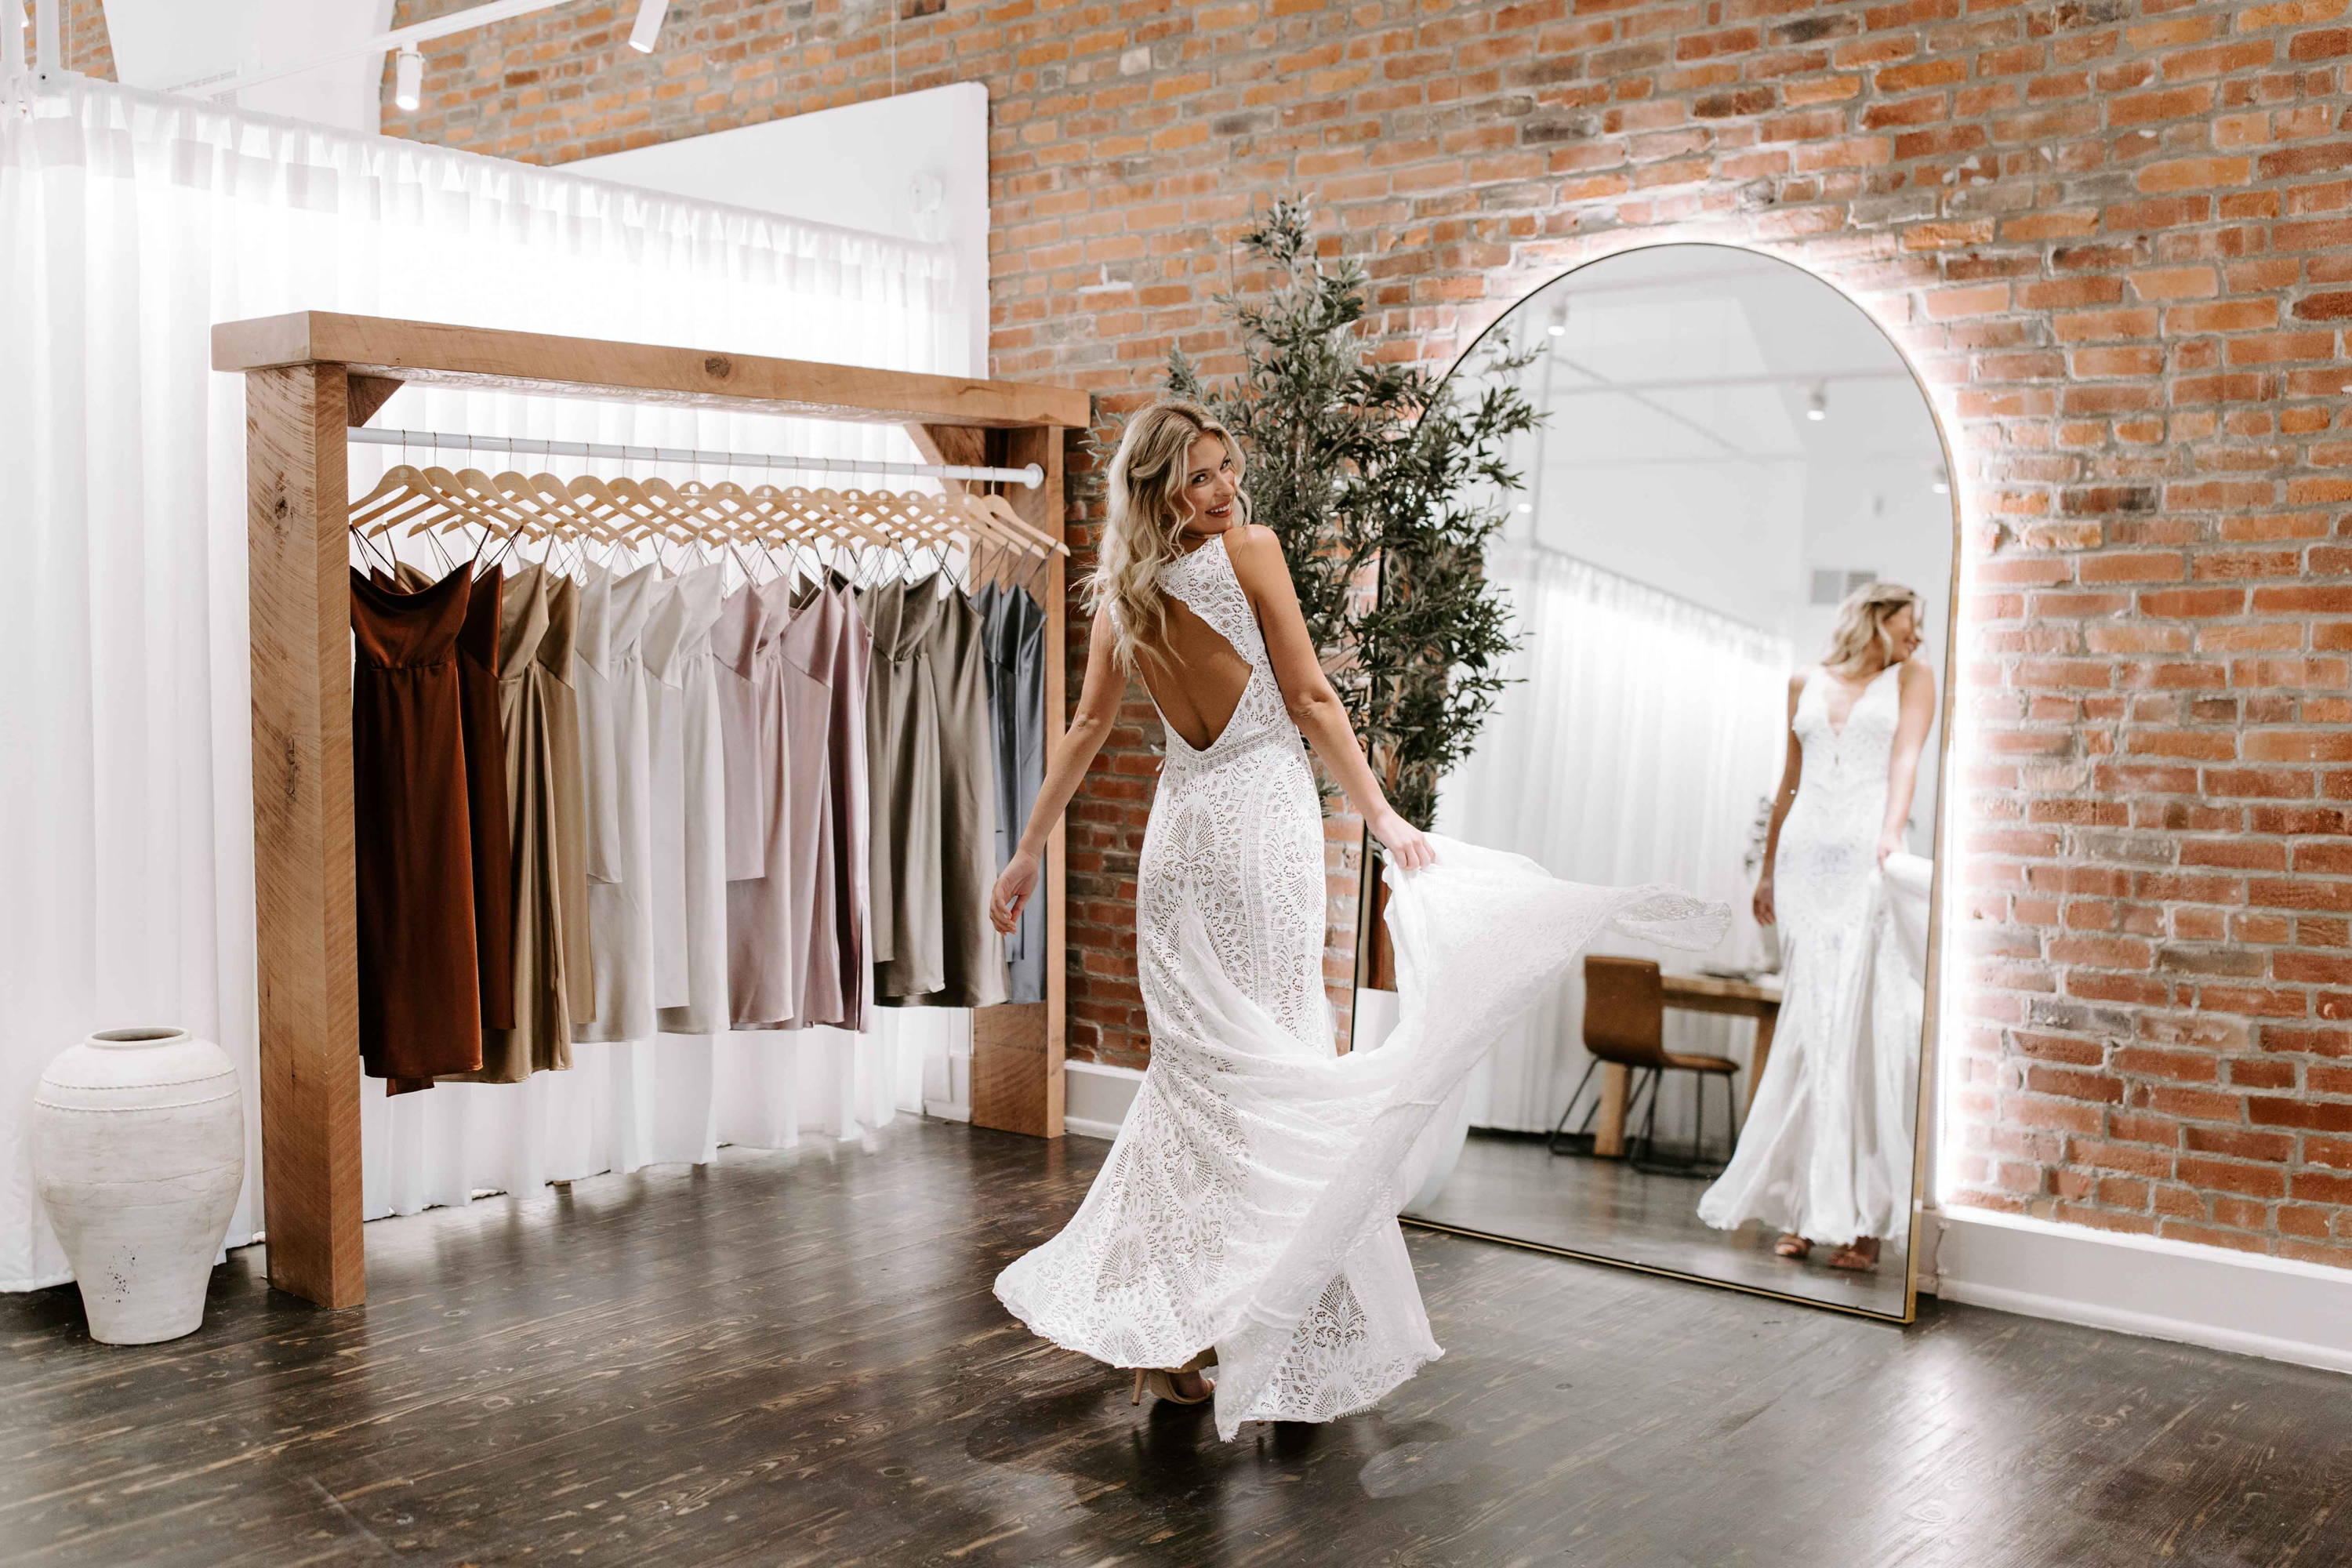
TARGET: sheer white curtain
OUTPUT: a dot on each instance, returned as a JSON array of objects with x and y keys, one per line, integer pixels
[
  {"x": 130, "y": 223},
  {"x": 1639, "y": 740}
]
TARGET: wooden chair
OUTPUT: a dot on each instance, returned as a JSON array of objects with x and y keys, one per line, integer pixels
[{"x": 1624, "y": 1023}]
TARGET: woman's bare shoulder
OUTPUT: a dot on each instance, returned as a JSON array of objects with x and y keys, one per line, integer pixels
[{"x": 1252, "y": 546}]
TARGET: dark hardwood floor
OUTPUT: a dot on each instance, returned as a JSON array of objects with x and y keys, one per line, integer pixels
[
  {"x": 1510, "y": 1185},
  {"x": 795, "y": 1359}
]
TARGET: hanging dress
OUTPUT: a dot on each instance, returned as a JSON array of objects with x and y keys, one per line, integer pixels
[
  {"x": 1249, "y": 1201},
  {"x": 615, "y": 739},
  {"x": 1015, "y": 637},
  {"x": 420, "y": 1007},
  {"x": 852, "y": 846},
  {"x": 687, "y": 835},
  {"x": 810, "y": 646},
  {"x": 760, "y": 969},
  {"x": 930, "y": 759},
  {"x": 553, "y": 969},
  {"x": 1826, "y": 1150},
  {"x": 486, "y": 786}
]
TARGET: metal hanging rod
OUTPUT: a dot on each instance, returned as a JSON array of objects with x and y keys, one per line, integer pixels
[{"x": 1030, "y": 475}]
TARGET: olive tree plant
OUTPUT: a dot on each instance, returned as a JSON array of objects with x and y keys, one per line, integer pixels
[{"x": 1385, "y": 485}]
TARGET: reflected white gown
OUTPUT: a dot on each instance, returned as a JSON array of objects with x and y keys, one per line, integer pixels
[
  {"x": 1250, "y": 1201},
  {"x": 1826, "y": 1150}
]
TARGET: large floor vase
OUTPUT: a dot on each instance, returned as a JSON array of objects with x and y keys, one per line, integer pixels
[{"x": 138, "y": 1148}]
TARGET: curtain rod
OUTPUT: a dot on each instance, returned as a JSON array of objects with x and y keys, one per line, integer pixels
[{"x": 1030, "y": 475}]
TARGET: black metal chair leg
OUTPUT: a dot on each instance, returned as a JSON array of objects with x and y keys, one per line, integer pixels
[{"x": 1551, "y": 1144}]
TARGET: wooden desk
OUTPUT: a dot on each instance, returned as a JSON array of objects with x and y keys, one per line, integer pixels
[{"x": 1757, "y": 999}]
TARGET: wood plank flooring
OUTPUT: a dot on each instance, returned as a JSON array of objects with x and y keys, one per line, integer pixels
[
  {"x": 1510, "y": 1185},
  {"x": 795, "y": 1359}
]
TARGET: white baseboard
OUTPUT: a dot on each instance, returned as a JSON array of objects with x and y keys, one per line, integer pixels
[
  {"x": 2276, "y": 1307},
  {"x": 1096, "y": 1097}
]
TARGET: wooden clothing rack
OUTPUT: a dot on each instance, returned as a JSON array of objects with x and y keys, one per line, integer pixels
[{"x": 310, "y": 377}]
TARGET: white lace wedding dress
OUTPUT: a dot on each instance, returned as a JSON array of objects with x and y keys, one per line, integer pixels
[
  {"x": 1250, "y": 1201},
  {"x": 1826, "y": 1150}
]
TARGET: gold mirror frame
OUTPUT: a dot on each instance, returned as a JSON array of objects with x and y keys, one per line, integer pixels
[{"x": 1925, "y": 1123}]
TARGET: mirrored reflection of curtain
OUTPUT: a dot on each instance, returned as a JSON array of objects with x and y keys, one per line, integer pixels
[
  {"x": 1641, "y": 740},
  {"x": 129, "y": 224}
]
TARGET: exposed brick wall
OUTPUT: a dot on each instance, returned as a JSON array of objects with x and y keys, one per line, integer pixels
[
  {"x": 2116, "y": 234},
  {"x": 81, "y": 27}
]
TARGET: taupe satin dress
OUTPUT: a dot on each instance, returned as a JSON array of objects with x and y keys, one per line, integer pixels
[
  {"x": 811, "y": 645},
  {"x": 852, "y": 837},
  {"x": 761, "y": 971},
  {"x": 932, "y": 772},
  {"x": 553, "y": 973}
]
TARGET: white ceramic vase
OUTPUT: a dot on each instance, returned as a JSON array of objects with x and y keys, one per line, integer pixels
[{"x": 138, "y": 1148}]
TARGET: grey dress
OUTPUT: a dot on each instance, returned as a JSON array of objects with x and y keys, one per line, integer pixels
[
  {"x": 1017, "y": 704},
  {"x": 932, "y": 771}
]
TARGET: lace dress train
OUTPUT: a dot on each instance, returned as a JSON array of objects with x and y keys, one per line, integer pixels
[{"x": 1249, "y": 1202}]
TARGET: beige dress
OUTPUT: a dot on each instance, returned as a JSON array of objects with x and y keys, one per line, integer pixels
[
  {"x": 931, "y": 767},
  {"x": 761, "y": 973},
  {"x": 553, "y": 973},
  {"x": 616, "y": 742}
]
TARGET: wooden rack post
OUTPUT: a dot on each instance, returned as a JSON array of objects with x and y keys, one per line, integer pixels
[{"x": 308, "y": 377}]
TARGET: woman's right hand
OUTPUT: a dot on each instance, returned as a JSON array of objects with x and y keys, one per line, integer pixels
[
  {"x": 1013, "y": 885},
  {"x": 1762, "y": 903}
]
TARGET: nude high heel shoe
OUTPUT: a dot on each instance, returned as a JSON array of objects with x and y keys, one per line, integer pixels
[{"x": 1162, "y": 1385}]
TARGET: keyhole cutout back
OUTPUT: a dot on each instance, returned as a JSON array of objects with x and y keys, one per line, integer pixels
[{"x": 1199, "y": 678}]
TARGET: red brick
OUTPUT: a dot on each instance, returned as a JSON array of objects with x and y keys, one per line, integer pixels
[{"x": 2142, "y": 387}]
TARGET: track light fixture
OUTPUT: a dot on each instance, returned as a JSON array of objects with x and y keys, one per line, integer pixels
[
  {"x": 409, "y": 80},
  {"x": 648, "y": 27}
]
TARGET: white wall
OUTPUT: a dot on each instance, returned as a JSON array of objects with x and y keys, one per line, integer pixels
[{"x": 913, "y": 167}]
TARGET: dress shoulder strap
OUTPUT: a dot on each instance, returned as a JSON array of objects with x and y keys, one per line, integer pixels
[{"x": 1206, "y": 582}]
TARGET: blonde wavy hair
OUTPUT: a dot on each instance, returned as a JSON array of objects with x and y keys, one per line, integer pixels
[
  {"x": 1147, "y": 520},
  {"x": 1862, "y": 623}
]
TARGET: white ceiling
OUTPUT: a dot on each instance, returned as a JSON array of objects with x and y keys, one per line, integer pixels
[{"x": 169, "y": 44}]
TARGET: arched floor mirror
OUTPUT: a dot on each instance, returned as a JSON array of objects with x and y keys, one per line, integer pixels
[{"x": 1734, "y": 465}]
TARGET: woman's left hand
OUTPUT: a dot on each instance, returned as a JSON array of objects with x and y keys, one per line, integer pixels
[
  {"x": 1013, "y": 885},
  {"x": 1406, "y": 845},
  {"x": 1889, "y": 843}
]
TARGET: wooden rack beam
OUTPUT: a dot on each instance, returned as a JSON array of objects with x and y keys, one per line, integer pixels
[
  {"x": 308, "y": 376},
  {"x": 441, "y": 355}
]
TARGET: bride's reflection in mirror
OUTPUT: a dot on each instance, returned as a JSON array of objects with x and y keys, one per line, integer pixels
[
  {"x": 1729, "y": 565},
  {"x": 1826, "y": 1154}
]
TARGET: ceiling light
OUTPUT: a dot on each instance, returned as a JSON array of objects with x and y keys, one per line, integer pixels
[
  {"x": 1817, "y": 406},
  {"x": 1526, "y": 506},
  {"x": 1558, "y": 329},
  {"x": 650, "y": 12},
  {"x": 409, "y": 80},
  {"x": 1941, "y": 483}
]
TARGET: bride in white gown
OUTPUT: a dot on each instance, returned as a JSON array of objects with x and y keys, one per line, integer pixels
[
  {"x": 1826, "y": 1153},
  {"x": 1245, "y": 1217}
]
